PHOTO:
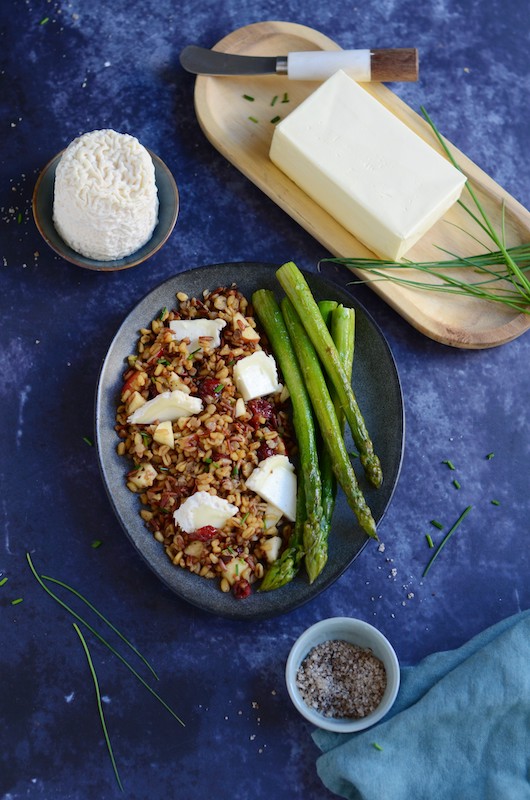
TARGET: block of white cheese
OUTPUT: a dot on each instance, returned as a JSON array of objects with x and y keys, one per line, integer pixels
[
  {"x": 365, "y": 167},
  {"x": 166, "y": 406},
  {"x": 256, "y": 375},
  {"x": 204, "y": 333},
  {"x": 202, "y": 509},
  {"x": 274, "y": 479}
]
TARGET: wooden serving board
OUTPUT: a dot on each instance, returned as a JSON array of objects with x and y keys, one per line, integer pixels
[{"x": 223, "y": 114}]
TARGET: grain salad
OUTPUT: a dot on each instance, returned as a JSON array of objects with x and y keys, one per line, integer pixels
[{"x": 189, "y": 466}]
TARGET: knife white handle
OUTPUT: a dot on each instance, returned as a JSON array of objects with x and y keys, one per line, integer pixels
[{"x": 361, "y": 65}]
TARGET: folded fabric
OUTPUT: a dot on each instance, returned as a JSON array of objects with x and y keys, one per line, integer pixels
[{"x": 459, "y": 729}]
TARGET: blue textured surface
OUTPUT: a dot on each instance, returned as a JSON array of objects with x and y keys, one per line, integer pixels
[{"x": 116, "y": 65}]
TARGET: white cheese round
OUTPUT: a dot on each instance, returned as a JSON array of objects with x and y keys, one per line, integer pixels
[{"x": 105, "y": 200}]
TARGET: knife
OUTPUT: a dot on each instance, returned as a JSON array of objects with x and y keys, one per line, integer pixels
[{"x": 399, "y": 64}]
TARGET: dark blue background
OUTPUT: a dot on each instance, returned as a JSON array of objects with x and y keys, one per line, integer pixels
[{"x": 115, "y": 64}]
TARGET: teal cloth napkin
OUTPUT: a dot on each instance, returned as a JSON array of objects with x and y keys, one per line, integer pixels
[{"x": 459, "y": 729}]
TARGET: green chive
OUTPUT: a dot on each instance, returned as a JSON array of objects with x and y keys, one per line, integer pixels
[
  {"x": 274, "y": 100},
  {"x": 44, "y": 20},
  {"x": 163, "y": 313},
  {"x": 429, "y": 540},
  {"x": 253, "y": 119},
  {"x": 456, "y": 484},
  {"x": 4, "y": 581},
  {"x": 219, "y": 388},
  {"x": 494, "y": 502},
  {"x": 285, "y": 98},
  {"x": 17, "y": 601},
  {"x": 275, "y": 119},
  {"x": 235, "y": 471},
  {"x": 377, "y": 746},
  {"x": 437, "y": 524},
  {"x": 190, "y": 355},
  {"x": 353, "y": 454},
  {"x": 164, "y": 362},
  {"x": 96, "y": 543},
  {"x": 449, "y": 464},
  {"x": 243, "y": 519},
  {"x": 88, "y": 441},
  {"x": 100, "y": 706},
  {"x": 446, "y": 538},
  {"x": 490, "y": 456},
  {"x": 19, "y": 217},
  {"x": 207, "y": 460},
  {"x": 248, "y": 97},
  {"x": 118, "y": 655}
]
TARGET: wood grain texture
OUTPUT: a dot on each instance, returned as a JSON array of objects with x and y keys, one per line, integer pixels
[{"x": 223, "y": 114}]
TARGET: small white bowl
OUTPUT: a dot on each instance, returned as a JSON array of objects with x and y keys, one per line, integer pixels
[{"x": 356, "y": 632}]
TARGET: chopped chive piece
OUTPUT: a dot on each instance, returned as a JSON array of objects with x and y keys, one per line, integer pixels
[
  {"x": 446, "y": 538},
  {"x": 490, "y": 456},
  {"x": 17, "y": 601},
  {"x": 100, "y": 706},
  {"x": 429, "y": 540},
  {"x": 219, "y": 388},
  {"x": 243, "y": 518},
  {"x": 353, "y": 454},
  {"x": 208, "y": 460},
  {"x": 456, "y": 484},
  {"x": 248, "y": 97},
  {"x": 275, "y": 119},
  {"x": 163, "y": 313},
  {"x": 437, "y": 524},
  {"x": 235, "y": 471},
  {"x": 19, "y": 217},
  {"x": 96, "y": 543},
  {"x": 494, "y": 502},
  {"x": 190, "y": 355},
  {"x": 449, "y": 463},
  {"x": 88, "y": 441},
  {"x": 233, "y": 361},
  {"x": 44, "y": 20},
  {"x": 274, "y": 100},
  {"x": 253, "y": 119},
  {"x": 285, "y": 98},
  {"x": 4, "y": 581},
  {"x": 164, "y": 362},
  {"x": 377, "y": 746},
  {"x": 145, "y": 438}
]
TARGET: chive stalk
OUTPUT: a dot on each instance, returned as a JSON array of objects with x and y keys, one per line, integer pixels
[
  {"x": 99, "y": 704},
  {"x": 101, "y": 639},
  {"x": 446, "y": 538}
]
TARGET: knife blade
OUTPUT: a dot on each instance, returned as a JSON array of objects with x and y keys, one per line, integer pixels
[{"x": 397, "y": 64}]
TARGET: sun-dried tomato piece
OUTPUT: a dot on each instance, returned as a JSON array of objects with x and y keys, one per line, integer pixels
[
  {"x": 264, "y": 451},
  {"x": 261, "y": 409},
  {"x": 241, "y": 589},
  {"x": 205, "y": 533},
  {"x": 210, "y": 390}
]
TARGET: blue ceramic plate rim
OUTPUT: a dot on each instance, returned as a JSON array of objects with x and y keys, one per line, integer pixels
[
  {"x": 42, "y": 204},
  {"x": 378, "y": 389}
]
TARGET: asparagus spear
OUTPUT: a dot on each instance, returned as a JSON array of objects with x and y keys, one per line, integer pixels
[
  {"x": 327, "y": 417},
  {"x": 298, "y": 291},
  {"x": 341, "y": 323},
  {"x": 329, "y": 482},
  {"x": 271, "y": 318}
]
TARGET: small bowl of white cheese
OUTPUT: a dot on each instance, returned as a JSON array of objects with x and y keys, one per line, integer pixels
[
  {"x": 342, "y": 674},
  {"x": 105, "y": 202}
]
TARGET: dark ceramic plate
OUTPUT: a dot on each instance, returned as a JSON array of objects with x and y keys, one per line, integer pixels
[
  {"x": 378, "y": 391},
  {"x": 168, "y": 198}
]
